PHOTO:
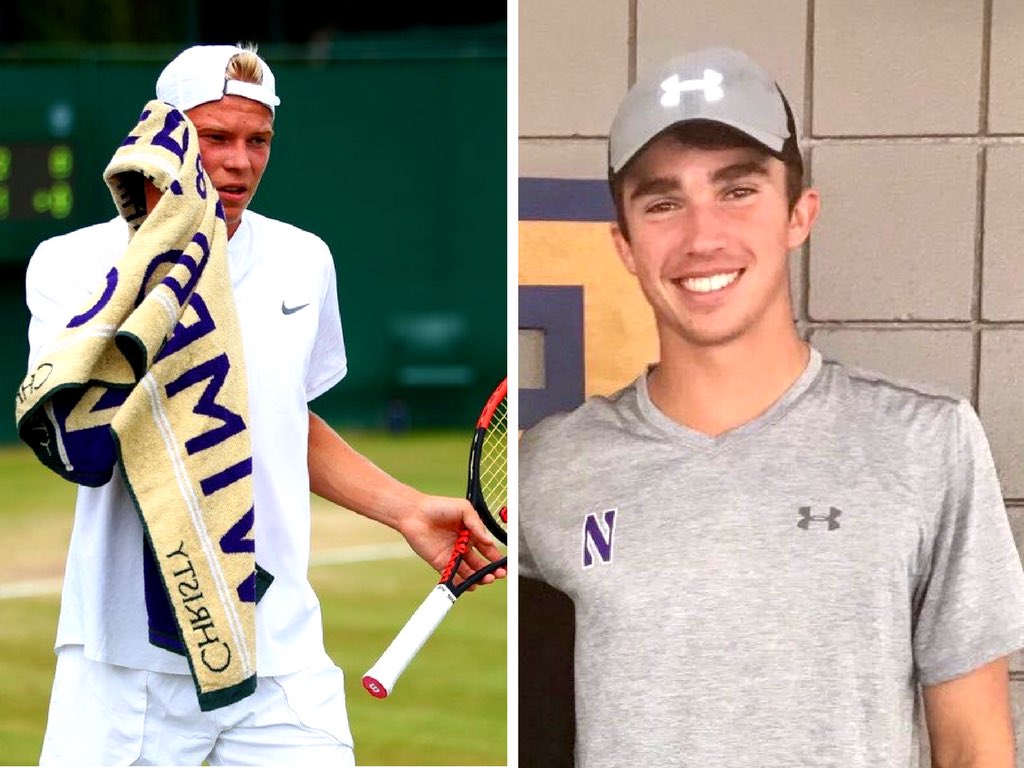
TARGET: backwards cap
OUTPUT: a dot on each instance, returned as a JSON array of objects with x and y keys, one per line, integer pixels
[
  {"x": 197, "y": 75},
  {"x": 716, "y": 84}
]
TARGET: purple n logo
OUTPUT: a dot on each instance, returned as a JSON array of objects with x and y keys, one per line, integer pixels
[{"x": 597, "y": 537}]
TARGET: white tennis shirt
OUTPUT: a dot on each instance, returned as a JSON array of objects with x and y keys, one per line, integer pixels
[{"x": 286, "y": 295}]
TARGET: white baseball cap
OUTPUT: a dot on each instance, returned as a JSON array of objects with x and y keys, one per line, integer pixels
[
  {"x": 720, "y": 85},
  {"x": 197, "y": 75}
]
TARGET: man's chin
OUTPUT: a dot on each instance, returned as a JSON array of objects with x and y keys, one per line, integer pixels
[
  {"x": 729, "y": 325},
  {"x": 710, "y": 335},
  {"x": 710, "y": 340},
  {"x": 233, "y": 216}
]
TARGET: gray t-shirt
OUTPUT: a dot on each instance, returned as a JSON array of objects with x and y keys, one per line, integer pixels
[{"x": 771, "y": 596}]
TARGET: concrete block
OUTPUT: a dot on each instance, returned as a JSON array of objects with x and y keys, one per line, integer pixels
[
  {"x": 573, "y": 66},
  {"x": 934, "y": 360},
  {"x": 885, "y": 68},
  {"x": 1001, "y": 405},
  {"x": 531, "y": 359},
  {"x": 563, "y": 158},
  {"x": 1006, "y": 86},
  {"x": 1002, "y": 296},
  {"x": 895, "y": 238},
  {"x": 796, "y": 280},
  {"x": 1017, "y": 711},
  {"x": 1016, "y": 516}
]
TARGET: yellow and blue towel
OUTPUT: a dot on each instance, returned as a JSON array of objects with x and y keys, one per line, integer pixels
[{"x": 150, "y": 377}]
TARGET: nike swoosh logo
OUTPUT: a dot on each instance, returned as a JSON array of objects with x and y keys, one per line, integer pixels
[{"x": 292, "y": 310}]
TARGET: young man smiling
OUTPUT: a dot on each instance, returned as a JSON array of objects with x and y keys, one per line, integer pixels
[{"x": 767, "y": 552}]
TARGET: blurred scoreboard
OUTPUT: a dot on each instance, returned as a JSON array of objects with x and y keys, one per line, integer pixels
[
  {"x": 43, "y": 161},
  {"x": 36, "y": 180}
]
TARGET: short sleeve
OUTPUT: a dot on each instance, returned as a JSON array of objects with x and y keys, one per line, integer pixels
[
  {"x": 328, "y": 363},
  {"x": 530, "y": 516},
  {"x": 48, "y": 313},
  {"x": 527, "y": 565},
  {"x": 971, "y": 605},
  {"x": 63, "y": 275}
]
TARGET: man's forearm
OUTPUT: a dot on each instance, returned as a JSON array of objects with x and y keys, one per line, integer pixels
[
  {"x": 340, "y": 474},
  {"x": 997, "y": 758},
  {"x": 969, "y": 721}
]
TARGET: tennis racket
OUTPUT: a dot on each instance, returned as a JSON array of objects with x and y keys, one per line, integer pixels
[{"x": 487, "y": 491}]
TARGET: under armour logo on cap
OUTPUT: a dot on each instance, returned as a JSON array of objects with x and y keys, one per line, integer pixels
[
  {"x": 672, "y": 88},
  {"x": 720, "y": 85}
]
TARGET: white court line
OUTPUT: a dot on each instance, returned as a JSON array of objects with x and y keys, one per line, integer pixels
[
  {"x": 341, "y": 556},
  {"x": 364, "y": 554},
  {"x": 33, "y": 588}
]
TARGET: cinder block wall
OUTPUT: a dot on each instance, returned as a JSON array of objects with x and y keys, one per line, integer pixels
[{"x": 912, "y": 120}]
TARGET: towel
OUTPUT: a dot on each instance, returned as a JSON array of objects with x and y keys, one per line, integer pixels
[{"x": 150, "y": 377}]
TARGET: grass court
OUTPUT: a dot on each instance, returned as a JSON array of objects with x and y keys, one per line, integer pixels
[{"x": 449, "y": 708}]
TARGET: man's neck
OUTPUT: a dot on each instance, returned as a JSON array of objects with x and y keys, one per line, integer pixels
[{"x": 715, "y": 389}]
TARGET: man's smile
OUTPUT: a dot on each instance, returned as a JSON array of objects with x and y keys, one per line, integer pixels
[{"x": 709, "y": 283}]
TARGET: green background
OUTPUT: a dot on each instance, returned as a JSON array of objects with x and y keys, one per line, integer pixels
[{"x": 393, "y": 151}]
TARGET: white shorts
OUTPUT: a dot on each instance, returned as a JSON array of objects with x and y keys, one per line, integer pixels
[{"x": 101, "y": 714}]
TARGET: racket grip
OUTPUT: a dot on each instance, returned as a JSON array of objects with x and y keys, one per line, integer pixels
[{"x": 380, "y": 679}]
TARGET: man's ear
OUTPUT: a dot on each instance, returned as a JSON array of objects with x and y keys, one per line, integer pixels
[
  {"x": 802, "y": 219},
  {"x": 623, "y": 248}
]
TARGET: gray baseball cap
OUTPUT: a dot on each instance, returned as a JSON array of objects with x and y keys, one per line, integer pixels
[{"x": 721, "y": 85}]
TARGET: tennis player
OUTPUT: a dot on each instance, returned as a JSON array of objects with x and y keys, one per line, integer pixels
[
  {"x": 117, "y": 698},
  {"x": 767, "y": 551}
]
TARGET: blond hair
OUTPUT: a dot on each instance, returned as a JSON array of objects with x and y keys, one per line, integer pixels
[{"x": 245, "y": 66}]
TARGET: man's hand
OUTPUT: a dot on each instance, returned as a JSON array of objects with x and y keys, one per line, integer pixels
[
  {"x": 339, "y": 473},
  {"x": 431, "y": 529}
]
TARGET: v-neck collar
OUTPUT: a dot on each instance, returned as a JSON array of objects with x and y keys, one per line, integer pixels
[{"x": 696, "y": 439}]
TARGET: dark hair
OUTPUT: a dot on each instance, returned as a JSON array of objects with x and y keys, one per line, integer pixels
[{"x": 706, "y": 134}]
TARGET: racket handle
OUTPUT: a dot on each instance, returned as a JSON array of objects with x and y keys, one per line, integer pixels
[{"x": 380, "y": 679}]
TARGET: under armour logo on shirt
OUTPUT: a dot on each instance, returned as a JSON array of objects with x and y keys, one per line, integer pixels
[
  {"x": 597, "y": 537},
  {"x": 806, "y": 518},
  {"x": 672, "y": 88}
]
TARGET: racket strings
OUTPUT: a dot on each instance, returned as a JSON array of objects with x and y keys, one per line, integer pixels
[{"x": 494, "y": 463}]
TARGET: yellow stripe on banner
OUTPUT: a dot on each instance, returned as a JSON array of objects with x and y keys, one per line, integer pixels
[{"x": 619, "y": 333}]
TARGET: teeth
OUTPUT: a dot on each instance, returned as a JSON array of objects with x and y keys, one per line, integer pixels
[{"x": 710, "y": 283}]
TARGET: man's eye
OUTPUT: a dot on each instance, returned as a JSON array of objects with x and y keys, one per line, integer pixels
[
  {"x": 214, "y": 137},
  {"x": 660, "y": 206},
  {"x": 259, "y": 141},
  {"x": 738, "y": 193}
]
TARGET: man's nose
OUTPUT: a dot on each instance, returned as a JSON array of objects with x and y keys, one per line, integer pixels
[
  {"x": 236, "y": 157},
  {"x": 705, "y": 228}
]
